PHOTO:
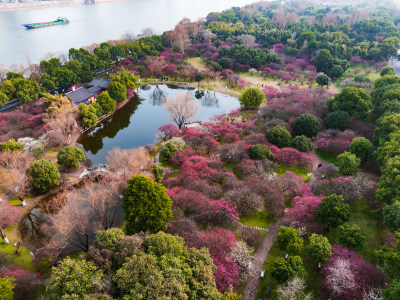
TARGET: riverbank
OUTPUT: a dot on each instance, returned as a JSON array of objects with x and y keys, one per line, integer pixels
[{"x": 46, "y": 4}]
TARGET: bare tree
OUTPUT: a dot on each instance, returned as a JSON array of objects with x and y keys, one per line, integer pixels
[
  {"x": 279, "y": 17},
  {"x": 3, "y": 72},
  {"x": 330, "y": 19},
  {"x": 247, "y": 40},
  {"x": 88, "y": 209},
  {"x": 147, "y": 32},
  {"x": 129, "y": 161},
  {"x": 179, "y": 38},
  {"x": 181, "y": 107},
  {"x": 293, "y": 289},
  {"x": 128, "y": 37},
  {"x": 61, "y": 122},
  {"x": 13, "y": 178},
  {"x": 340, "y": 277},
  {"x": 372, "y": 294}
]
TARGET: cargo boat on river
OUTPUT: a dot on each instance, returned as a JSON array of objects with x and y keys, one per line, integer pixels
[{"x": 45, "y": 24}]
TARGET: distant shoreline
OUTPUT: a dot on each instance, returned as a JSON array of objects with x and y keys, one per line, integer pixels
[{"x": 45, "y": 4}]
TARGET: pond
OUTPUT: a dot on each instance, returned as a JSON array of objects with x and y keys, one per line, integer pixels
[{"x": 136, "y": 123}]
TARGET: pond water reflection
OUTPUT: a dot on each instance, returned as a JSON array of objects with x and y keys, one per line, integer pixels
[{"x": 137, "y": 122}]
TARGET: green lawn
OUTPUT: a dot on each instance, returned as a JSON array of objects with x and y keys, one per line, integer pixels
[
  {"x": 373, "y": 75},
  {"x": 23, "y": 258},
  {"x": 328, "y": 157},
  {"x": 362, "y": 215},
  {"x": 257, "y": 219},
  {"x": 295, "y": 169}
]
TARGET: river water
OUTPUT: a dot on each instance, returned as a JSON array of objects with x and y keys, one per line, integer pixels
[
  {"x": 94, "y": 23},
  {"x": 136, "y": 123}
]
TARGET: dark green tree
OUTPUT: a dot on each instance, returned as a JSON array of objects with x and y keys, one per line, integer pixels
[
  {"x": 306, "y": 124},
  {"x": 3, "y": 99},
  {"x": 361, "y": 147},
  {"x": 283, "y": 270},
  {"x": 105, "y": 102},
  {"x": 322, "y": 80},
  {"x": 324, "y": 61},
  {"x": 302, "y": 143},
  {"x": 225, "y": 63},
  {"x": 44, "y": 175},
  {"x": 159, "y": 172},
  {"x": 167, "y": 150},
  {"x": 288, "y": 239},
  {"x": 388, "y": 71},
  {"x": 348, "y": 163},
  {"x": 7, "y": 288},
  {"x": 260, "y": 152},
  {"x": 389, "y": 181},
  {"x": 117, "y": 91},
  {"x": 109, "y": 238},
  {"x": 385, "y": 126},
  {"x": 393, "y": 291},
  {"x": 337, "y": 120},
  {"x": 356, "y": 102},
  {"x": 319, "y": 248},
  {"x": 70, "y": 156},
  {"x": 146, "y": 205},
  {"x": 391, "y": 215},
  {"x": 74, "y": 278},
  {"x": 336, "y": 71},
  {"x": 333, "y": 210},
  {"x": 88, "y": 115},
  {"x": 351, "y": 236},
  {"x": 278, "y": 136},
  {"x": 251, "y": 97}
]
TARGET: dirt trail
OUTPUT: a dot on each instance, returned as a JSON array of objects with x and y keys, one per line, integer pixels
[{"x": 250, "y": 291}]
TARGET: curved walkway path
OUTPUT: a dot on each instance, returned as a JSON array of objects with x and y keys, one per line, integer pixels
[{"x": 250, "y": 291}]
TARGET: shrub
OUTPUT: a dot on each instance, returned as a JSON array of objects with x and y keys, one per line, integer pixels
[
  {"x": 302, "y": 143},
  {"x": 361, "y": 147},
  {"x": 336, "y": 71},
  {"x": 70, "y": 156},
  {"x": 11, "y": 145},
  {"x": 251, "y": 97},
  {"x": 44, "y": 175},
  {"x": 225, "y": 63},
  {"x": 278, "y": 136},
  {"x": 167, "y": 150},
  {"x": 322, "y": 80},
  {"x": 159, "y": 172},
  {"x": 306, "y": 124},
  {"x": 348, "y": 163},
  {"x": 351, "y": 236},
  {"x": 388, "y": 71},
  {"x": 337, "y": 120},
  {"x": 260, "y": 152}
]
